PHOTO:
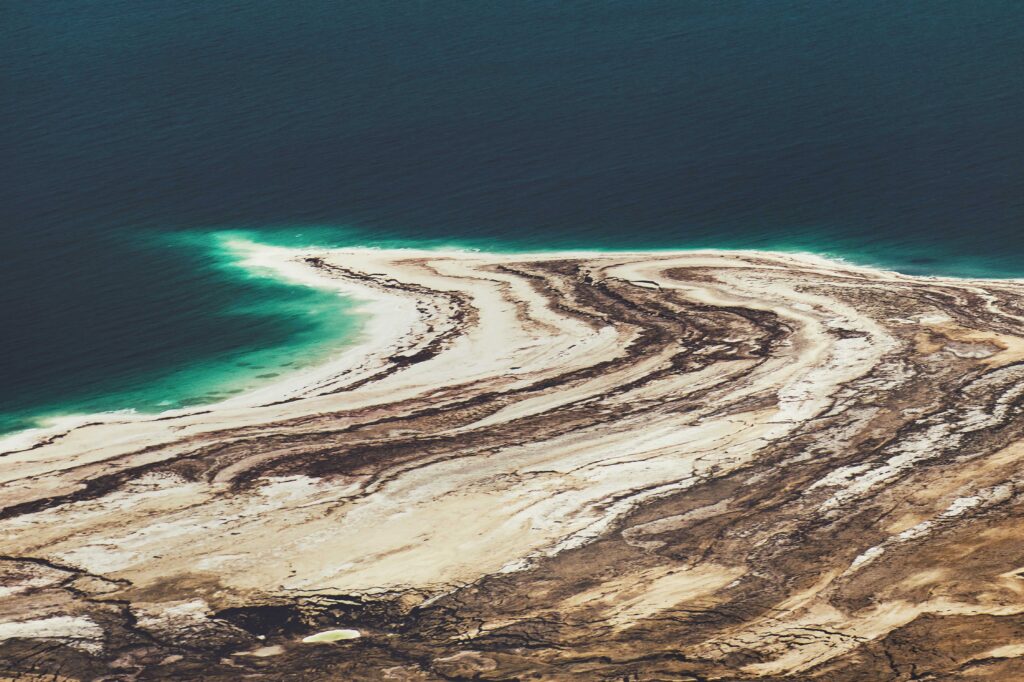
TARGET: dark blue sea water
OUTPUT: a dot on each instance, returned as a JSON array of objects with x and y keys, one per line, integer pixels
[{"x": 889, "y": 133}]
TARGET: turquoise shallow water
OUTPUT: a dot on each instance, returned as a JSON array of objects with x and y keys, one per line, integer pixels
[
  {"x": 308, "y": 326},
  {"x": 318, "y": 324},
  {"x": 132, "y": 133}
]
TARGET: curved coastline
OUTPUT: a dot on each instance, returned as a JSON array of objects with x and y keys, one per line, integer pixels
[
  {"x": 278, "y": 261},
  {"x": 724, "y": 462},
  {"x": 229, "y": 248}
]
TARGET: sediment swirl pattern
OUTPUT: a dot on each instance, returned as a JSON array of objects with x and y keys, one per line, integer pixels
[{"x": 657, "y": 466}]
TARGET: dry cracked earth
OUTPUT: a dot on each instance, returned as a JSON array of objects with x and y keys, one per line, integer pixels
[{"x": 696, "y": 466}]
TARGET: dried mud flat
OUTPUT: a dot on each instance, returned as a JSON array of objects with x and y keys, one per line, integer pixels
[{"x": 661, "y": 466}]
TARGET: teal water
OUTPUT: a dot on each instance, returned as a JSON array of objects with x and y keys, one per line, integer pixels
[
  {"x": 132, "y": 134},
  {"x": 302, "y": 326},
  {"x": 318, "y": 324}
]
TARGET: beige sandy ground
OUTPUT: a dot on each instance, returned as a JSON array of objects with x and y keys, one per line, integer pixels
[
  {"x": 486, "y": 496},
  {"x": 427, "y": 503}
]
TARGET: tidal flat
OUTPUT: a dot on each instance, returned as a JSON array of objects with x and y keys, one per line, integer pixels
[{"x": 575, "y": 465}]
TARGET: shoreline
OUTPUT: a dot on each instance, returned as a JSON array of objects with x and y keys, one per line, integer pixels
[
  {"x": 637, "y": 439},
  {"x": 380, "y": 322}
]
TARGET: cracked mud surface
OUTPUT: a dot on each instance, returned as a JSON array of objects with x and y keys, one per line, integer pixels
[{"x": 698, "y": 466}]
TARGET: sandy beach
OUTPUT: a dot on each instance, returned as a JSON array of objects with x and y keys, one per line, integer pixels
[{"x": 666, "y": 465}]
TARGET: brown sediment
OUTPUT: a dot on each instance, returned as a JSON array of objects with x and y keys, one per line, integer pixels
[{"x": 660, "y": 466}]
